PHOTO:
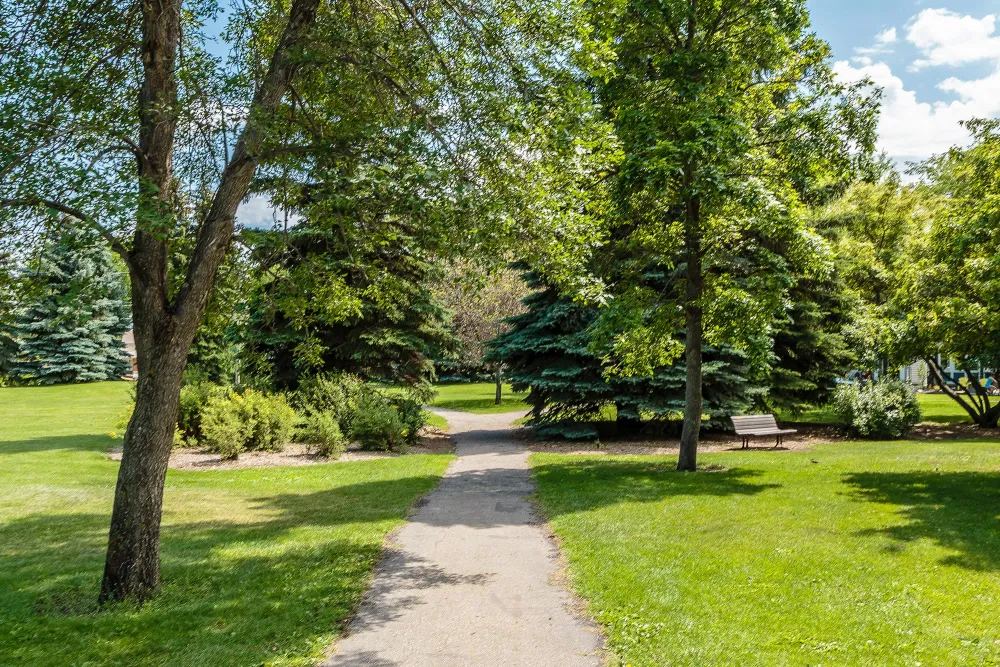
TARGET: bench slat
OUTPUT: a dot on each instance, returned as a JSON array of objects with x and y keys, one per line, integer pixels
[{"x": 758, "y": 425}]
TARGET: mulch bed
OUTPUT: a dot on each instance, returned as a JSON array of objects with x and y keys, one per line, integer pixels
[
  {"x": 433, "y": 441},
  {"x": 805, "y": 439}
]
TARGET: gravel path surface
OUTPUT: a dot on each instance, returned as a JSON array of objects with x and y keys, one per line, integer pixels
[{"x": 470, "y": 580}]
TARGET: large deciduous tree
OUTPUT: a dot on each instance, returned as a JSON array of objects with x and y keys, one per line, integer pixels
[
  {"x": 109, "y": 109},
  {"x": 948, "y": 298},
  {"x": 726, "y": 111}
]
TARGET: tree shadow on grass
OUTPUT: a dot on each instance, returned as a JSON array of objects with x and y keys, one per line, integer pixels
[
  {"x": 94, "y": 442},
  {"x": 234, "y": 593},
  {"x": 591, "y": 484},
  {"x": 958, "y": 510}
]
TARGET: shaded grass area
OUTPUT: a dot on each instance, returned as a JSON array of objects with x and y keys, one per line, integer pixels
[
  {"x": 478, "y": 397},
  {"x": 849, "y": 554},
  {"x": 937, "y": 408},
  {"x": 260, "y": 565}
]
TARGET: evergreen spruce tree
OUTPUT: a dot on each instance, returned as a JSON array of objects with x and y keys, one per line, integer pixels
[
  {"x": 547, "y": 352},
  {"x": 810, "y": 351},
  {"x": 70, "y": 325},
  {"x": 8, "y": 346}
]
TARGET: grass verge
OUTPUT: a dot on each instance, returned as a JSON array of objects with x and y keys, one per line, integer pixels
[
  {"x": 937, "y": 408},
  {"x": 479, "y": 397},
  {"x": 849, "y": 554},
  {"x": 259, "y": 565}
]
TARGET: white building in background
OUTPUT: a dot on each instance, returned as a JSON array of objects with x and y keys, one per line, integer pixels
[
  {"x": 129, "y": 341},
  {"x": 915, "y": 374},
  {"x": 918, "y": 375}
]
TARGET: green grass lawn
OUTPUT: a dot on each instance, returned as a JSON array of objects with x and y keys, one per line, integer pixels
[
  {"x": 936, "y": 408},
  {"x": 436, "y": 421},
  {"x": 849, "y": 554},
  {"x": 259, "y": 565},
  {"x": 479, "y": 398}
]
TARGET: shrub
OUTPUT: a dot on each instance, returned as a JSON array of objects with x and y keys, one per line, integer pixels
[
  {"x": 883, "y": 410},
  {"x": 194, "y": 398},
  {"x": 233, "y": 423},
  {"x": 322, "y": 433},
  {"x": 411, "y": 414},
  {"x": 274, "y": 420},
  {"x": 377, "y": 425},
  {"x": 339, "y": 395},
  {"x": 225, "y": 425}
]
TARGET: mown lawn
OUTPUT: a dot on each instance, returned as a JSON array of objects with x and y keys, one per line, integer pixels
[
  {"x": 849, "y": 554},
  {"x": 259, "y": 565},
  {"x": 479, "y": 397},
  {"x": 937, "y": 408}
]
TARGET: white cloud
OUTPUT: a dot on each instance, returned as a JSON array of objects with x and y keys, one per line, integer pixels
[
  {"x": 882, "y": 42},
  {"x": 258, "y": 212},
  {"x": 911, "y": 130},
  {"x": 887, "y": 36},
  {"x": 948, "y": 38}
]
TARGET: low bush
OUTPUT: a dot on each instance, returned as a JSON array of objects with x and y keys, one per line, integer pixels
[
  {"x": 224, "y": 425},
  {"x": 411, "y": 414},
  {"x": 233, "y": 423},
  {"x": 322, "y": 433},
  {"x": 194, "y": 398},
  {"x": 362, "y": 411},
  {"x": 884, "y": 410},
  {"x": 377, "y": 424},
  {"x": 338, "y": 395}
]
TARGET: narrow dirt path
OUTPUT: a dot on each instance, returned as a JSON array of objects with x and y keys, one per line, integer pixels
[{"x": 469, "y": 580}]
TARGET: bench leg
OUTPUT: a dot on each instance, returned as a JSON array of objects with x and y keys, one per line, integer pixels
[{"x": 777, "y": 441}]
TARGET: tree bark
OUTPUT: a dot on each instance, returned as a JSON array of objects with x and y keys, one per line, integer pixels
[
  {"x": 165, "y": 330},
  {"x": 132, "y": 567},
  {"x": 688, "y": 458},
  {"x": 498, "y": 376}
]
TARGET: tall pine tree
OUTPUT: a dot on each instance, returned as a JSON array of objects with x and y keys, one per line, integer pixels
[{"x": 73, "y": 316}]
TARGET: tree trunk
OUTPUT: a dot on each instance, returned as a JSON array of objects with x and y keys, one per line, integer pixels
[
  {"x": 977, "y": 405},
  {"x": 132, "y": 568},
  {"x": 164, "y": 330},
  {"x": 688, "y": 459},
  {"x": 498, "y": 376}
]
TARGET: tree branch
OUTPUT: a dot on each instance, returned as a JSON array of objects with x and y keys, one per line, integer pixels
[
  {"x": 217, "y": 230},
  {"x": 32, "y": 202},
  {"x": 939, "y": 379}
]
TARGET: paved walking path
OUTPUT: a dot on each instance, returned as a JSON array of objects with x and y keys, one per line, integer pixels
[{"x": 468, "y": 581}]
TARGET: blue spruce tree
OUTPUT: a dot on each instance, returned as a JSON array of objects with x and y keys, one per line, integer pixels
[
  {"x": 547, "y": 352},
  {"x": 72, "y": 314}
]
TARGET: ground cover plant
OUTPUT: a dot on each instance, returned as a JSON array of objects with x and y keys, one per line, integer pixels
[
  {"x": 478, "y": 397},
  {"x": 260, "y": 564},
  {"x": 848, "y": 554}
]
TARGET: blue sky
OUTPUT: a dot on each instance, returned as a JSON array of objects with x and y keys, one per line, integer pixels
[{"x": 938, "y": 62}]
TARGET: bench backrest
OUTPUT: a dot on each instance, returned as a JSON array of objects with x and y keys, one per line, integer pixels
[{"x": 754, "y": 423}]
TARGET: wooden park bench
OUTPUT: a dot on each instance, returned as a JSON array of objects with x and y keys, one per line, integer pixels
[{"x": 752, "y": 425}]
